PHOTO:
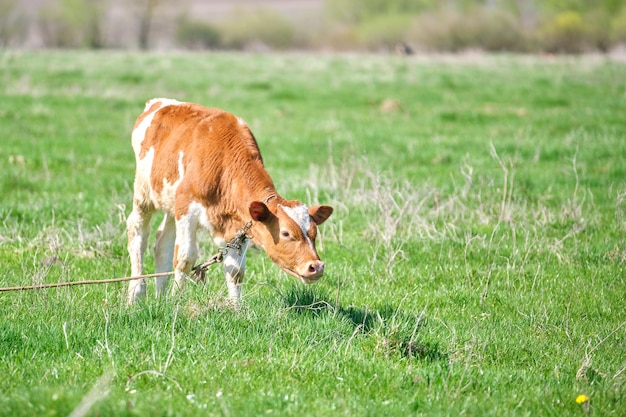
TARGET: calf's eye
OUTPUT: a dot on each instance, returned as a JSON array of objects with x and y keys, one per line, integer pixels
[{"x": 285, "y": 234}]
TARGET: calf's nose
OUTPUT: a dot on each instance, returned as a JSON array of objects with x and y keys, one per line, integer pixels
[{"x": 315, "y": 269}]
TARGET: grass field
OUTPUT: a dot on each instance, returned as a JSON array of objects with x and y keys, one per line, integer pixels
[{"x": 475, "y": 259}]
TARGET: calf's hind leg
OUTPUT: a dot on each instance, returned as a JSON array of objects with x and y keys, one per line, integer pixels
[
  {"x": 164, "y": 251},
  {"x": 138, "y": 229}
]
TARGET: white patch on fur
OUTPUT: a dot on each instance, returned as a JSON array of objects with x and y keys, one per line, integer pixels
[
  {"x": 139, "y": 133},
  {"x": 300, "y": 215},
  {"x": 234, "y": 269},
  {"x": 168, "y": 193},
  {"x": 144, "y": 165},
  {"x": 143, "y": 190},
  {"x": 198, "y": 211},
  {"x": 187, "y": 252},
  {"x": 164, "y": 102}
]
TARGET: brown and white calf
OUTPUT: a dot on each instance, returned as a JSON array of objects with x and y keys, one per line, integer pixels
[{"x": 203, "y": 168}]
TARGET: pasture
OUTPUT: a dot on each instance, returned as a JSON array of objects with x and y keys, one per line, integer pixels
[{"x": 475, "y": 262}]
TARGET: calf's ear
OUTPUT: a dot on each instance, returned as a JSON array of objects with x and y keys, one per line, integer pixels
[
  {"x": 319, "y": 214},
  {"x": 259, "y": 211}
]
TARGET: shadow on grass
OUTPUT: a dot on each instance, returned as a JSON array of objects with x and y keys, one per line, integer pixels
[{"x": 394, "y": 330}]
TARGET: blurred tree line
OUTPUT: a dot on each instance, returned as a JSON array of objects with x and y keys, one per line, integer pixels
[{"x": 555, "y": 26}]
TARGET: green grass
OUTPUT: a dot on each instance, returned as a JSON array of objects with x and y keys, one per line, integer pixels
[{"x": 475, "y": 260}]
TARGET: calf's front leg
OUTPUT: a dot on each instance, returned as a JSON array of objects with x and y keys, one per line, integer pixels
[
  {"x": 185, "y": 251},
  {"x": 234, "y": 270}
]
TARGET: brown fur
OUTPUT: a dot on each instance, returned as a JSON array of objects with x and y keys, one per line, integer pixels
[
  {"x": 223, "y": 171},
  {"x": 223, "y": 165}
]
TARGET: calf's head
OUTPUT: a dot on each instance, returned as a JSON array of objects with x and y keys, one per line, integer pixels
[{"x": 287, "y": 232}]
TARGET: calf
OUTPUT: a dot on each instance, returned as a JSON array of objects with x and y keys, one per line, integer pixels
[{"x": 203, "y": 168}]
